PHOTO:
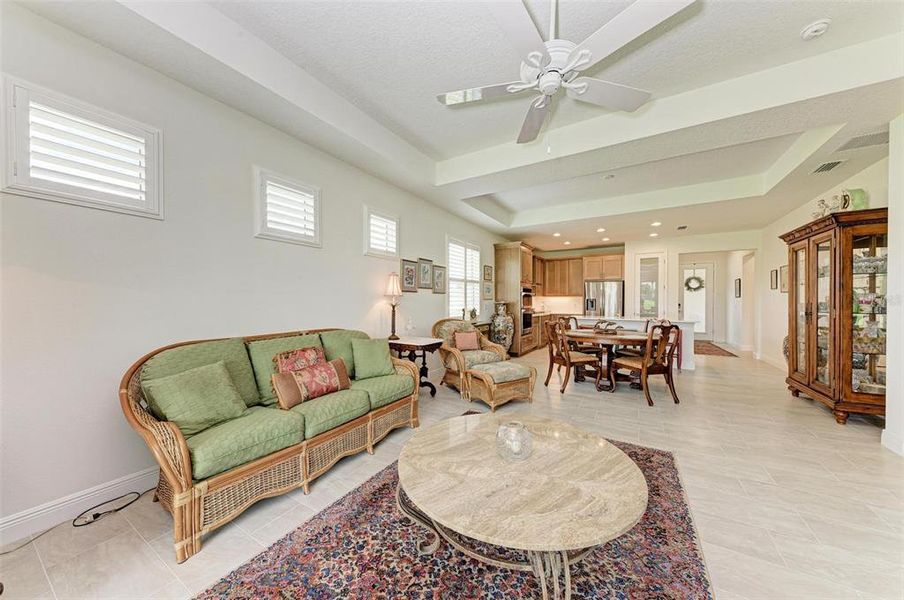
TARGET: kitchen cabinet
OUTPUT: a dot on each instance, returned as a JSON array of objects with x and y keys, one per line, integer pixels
[
  {"x": 564, "y": 277},
  {"x": 593, "y": 267},
  {"x": 613, "y": 266},
  {"x": 527, "y": 266},
  {"x": 539, "y": 274},
  {"x": 837, "y": 288},
  {"x": 575, "y": 285}
]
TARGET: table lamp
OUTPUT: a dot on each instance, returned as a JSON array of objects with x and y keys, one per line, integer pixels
[{"x": 394, "y": 293}]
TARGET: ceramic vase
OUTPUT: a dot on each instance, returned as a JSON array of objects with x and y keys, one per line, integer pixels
[{"x": 502, "y": 328}]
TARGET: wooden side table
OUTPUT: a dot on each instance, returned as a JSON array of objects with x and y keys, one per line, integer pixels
[{"x": 413, "y": 348}]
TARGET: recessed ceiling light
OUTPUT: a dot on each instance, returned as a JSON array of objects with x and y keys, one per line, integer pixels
[
  {"x": 655, "y": 224},
  {"x": 601, "y": 229},
  {"x": 567, "y": 243},
  {"x": 556, "y": 234},
  {"x": 815, "y": 29},
  {"x": 605, "y": 239},
  {"x": 654, "y": 235},
  {"x": 608, "y": 176}
]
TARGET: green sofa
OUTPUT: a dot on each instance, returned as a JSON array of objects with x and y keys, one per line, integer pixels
[{"x": 209, "y": 477}]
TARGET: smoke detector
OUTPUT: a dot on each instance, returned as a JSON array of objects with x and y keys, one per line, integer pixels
[{"x": 815, "y": 29}]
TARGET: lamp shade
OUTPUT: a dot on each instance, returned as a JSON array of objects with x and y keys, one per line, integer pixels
[{"x": 393, "y": 289}]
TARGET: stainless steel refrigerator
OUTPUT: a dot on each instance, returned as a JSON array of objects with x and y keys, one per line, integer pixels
[{"x": 604, "y": 298}]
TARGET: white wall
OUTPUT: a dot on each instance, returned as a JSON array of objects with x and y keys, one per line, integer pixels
[
  {"x": 774, "y": 253},
  {"x": 87, "y": 292},
  {"x": 893, "y": 436},
  {"x": 672, "y": 249}
]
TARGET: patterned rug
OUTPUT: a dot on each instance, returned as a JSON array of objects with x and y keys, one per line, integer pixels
[
  {"x": 361, "y": 548},
  {"x": 710, "y": 349}
]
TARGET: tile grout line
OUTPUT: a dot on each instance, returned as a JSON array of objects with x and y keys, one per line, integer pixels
[
  {"x": 154, "y": 552},
  {"x": 44, "y": 568}
]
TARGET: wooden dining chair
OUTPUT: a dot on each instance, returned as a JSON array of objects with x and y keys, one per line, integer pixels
[
  {"x": 562, "y": 355},
  {"x": 657, "y": 359}
]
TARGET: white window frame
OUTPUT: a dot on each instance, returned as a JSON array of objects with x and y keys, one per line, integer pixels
[
  {"x": 16, "y": 172},
  {"x": 662, "y": 295},
  {"x": 370, "y": 251},
  {"x": 262, "y": 230},
  {"x": 465, "y": 281}
]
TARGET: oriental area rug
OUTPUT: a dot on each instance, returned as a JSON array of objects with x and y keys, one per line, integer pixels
[{"x": 362, "y": 548}]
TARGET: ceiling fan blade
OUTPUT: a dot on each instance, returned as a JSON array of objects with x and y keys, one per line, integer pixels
[
  {"x": 627, "y": 25},
  {"x": 519, "y": 28},
  {"x": 487, "y": 92},
  {"x": 533, "y": 122},
  {"x": 607, "y": 94}
]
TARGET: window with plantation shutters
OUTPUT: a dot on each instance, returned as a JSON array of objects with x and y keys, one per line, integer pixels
[
  {"x": 288, "y": 211},
  {"x": 381, "y": 234},
  {"x": 464, "y": 277},
  {"x": 67, "y": 151}
]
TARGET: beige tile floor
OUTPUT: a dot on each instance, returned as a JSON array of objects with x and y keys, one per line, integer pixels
[{"x": 788, "y": 504}]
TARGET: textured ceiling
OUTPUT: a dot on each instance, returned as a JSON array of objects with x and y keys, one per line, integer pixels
[{"x": 392, "y": 58}]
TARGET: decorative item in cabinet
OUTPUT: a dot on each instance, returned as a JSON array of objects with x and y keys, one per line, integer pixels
[{"x": 836, "y": 283}]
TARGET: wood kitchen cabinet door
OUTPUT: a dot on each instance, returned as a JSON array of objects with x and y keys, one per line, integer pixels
[
  {"x": 613, "y": 267},
  {"x": 593, "y": 267},
  {"x": 575, "y": 285},
  {"x": 527, "y": 266}
]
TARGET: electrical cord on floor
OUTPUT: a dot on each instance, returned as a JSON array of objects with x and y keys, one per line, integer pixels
[{"x": 87, "y": 517}]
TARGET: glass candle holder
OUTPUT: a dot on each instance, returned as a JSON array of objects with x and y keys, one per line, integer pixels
[{"x": 513, "y": 441}]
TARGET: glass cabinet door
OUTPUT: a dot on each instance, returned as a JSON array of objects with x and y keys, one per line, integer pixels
[
  {"x": 868, "y": 323},
  {"x": 822, "y": 312},
  {"x": 798, "y": 331}
]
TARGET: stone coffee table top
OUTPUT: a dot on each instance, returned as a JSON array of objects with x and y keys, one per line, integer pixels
[{"x": 575, "y": 491}]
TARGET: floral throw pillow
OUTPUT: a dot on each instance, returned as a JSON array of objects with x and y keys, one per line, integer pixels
[
  {"x": 311, "y": 382},
  {"x": 296, "y": 360}
]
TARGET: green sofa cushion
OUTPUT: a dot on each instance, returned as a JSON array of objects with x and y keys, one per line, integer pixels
[
  {"x": 262, "y": 353},
  {"x": 259, "y": 431},
  {"x": 338, "y": 344},
  {"x": 231, "y": 351},
  {"x": 330, "y": 411},
  {"x": 386, "y": 389},
  {"x": 195, "y": 399},
  {"x": 372, "y": 358}
]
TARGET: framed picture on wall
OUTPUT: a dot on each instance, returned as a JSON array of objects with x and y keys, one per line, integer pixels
[
  {"x": 773, "y": 279},
  {"x": 783, "y": 278},
  {"x": 409, "y": 276},
  {"x": 486, "y": 290},
  {"x": 424, "y": 274},
  {"x": 439, "y": 279},
  {"x": 737, "y": 288},
  {"x": 488, "y": 272}
]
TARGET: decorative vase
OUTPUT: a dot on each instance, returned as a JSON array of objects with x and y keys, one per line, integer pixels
[
  {"x": 786, "y": 348},
  {"x": 502, "y": 327},
  {"x": 513, "y": 441}
]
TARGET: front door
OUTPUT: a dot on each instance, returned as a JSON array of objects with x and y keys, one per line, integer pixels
[{"x": 697, "y": 297}]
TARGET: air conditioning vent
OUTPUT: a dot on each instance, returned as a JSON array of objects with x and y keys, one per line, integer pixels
[
  {"x": 826, "y": 167},
  {"x": 682, "y": 227},
  {"x": 862, "y": 141}
]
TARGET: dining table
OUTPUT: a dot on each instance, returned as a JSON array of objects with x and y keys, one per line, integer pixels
[{"x": 608, "y": 340}]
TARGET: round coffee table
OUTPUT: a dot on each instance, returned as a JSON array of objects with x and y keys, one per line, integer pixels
[{"x": 575, "y": 492}]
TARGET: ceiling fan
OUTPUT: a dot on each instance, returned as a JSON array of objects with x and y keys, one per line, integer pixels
[{"x": 549, "y": 66}]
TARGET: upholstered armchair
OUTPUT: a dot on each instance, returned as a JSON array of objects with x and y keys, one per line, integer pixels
[{"x": 458, "y": 361}]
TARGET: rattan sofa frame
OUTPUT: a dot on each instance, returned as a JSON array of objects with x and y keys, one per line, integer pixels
[{"x": 199, "y": 507}]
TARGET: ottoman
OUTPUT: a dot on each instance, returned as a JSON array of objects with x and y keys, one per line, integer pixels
[{"x": 498, "y": 382}]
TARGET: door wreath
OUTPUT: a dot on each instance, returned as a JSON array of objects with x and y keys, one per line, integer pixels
[{"x": 693, "y": 283}]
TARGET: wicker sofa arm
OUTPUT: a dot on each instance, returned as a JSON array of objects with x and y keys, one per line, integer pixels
[
  {"x": 445, "y": 351},
  {"x": 406, "y": 367},
  {"x": 486, "y": 344},
  {"x": 165, "y": 441}
]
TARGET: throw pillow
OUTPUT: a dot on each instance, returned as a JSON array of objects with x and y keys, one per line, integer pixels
[
  {"x": 195, "y": 399},
  {"x": 372, "y": 358},
  {"x": 296, "y": 360},
  {"x": 467, "y": 340},
  {"x": 311, "y": 382}
]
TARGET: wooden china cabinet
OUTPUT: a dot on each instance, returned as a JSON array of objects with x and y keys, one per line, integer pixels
[{"x": 837, "y": 269}]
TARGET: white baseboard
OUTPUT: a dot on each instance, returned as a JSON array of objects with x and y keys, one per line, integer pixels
[
  {"x": 893, "y": 442},
  {"x": 35, "y": 520},
  {"x": 778, "y": 364}
]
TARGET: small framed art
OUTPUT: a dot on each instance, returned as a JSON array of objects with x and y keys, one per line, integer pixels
[
  {"x": 783, "y": 278},
  {"x": 439, "y": 279},
  {"x": 773, "y": 279},
  {"x": 486, "y": 290},
  {"x": 408, "y": 280},
  {"x": 424, "y": 274},
  {"x": 488, "y": 272},
  {"x": 737, "y": 288}
]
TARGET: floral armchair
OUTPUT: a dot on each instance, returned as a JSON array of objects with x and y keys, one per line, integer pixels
[{"x": 458, "y": 361}]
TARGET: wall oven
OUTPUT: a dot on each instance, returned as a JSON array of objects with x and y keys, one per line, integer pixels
[{"x": 527, "y": 319}]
